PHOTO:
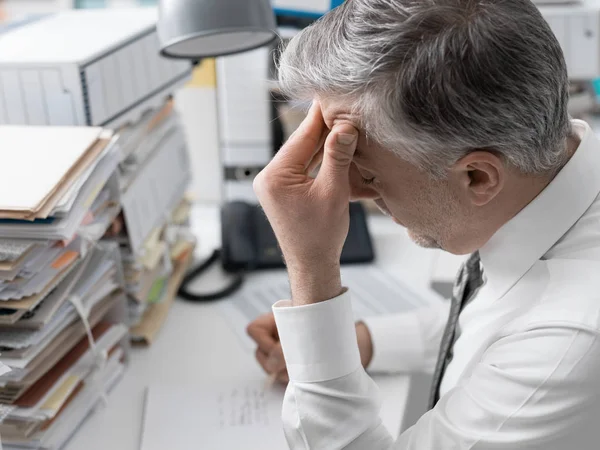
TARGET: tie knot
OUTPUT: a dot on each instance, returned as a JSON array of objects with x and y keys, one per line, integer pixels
[
  {"x": 474, "y": 271},
  {"x": 473, "y": 261}
]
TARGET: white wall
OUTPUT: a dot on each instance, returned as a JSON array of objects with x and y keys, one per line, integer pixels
[{"x": 17, "y": 8}]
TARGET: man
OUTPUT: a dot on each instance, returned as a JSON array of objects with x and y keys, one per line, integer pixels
[{"x": 452, "y": 116}]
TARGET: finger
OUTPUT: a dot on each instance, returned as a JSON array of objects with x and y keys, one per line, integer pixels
[
  {"x": 262, "y": 358},
  {"x": 338, "y": 153},
  {"x": 272, "y": 363},
  {"x": 283, "y": 378},
  {"x": 264, "y": 332},
  {"x": 305, "y": 142},
  {"x": 276, "y": 361},
  {"x": 263, "y": 338},
  {"x": 265, "y": 321}
]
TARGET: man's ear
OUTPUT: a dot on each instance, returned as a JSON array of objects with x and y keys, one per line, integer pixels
[{"x": 481, "y": 174}]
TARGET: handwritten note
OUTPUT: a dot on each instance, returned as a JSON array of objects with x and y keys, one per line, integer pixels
[
  {"x": 223, "y": 415},
  {"x": 243, "y": 407}
]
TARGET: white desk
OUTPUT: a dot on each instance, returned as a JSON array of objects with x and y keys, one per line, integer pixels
[{"x": 196, "y": 345}]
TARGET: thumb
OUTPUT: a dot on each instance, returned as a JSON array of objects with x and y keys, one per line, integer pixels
[{"x": 338, "y": 153}]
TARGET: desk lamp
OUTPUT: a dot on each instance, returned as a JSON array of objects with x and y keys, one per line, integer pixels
[{"x": 195, "y": 29}]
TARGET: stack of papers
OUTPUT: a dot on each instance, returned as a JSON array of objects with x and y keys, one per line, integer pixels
[
  {"x": 62, "y": 183},
  {"x": 153, "y": 230},
  {"x": 62, "y": 305}
]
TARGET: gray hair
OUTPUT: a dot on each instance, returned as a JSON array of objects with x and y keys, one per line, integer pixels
[{"x": 435, "y": 79}]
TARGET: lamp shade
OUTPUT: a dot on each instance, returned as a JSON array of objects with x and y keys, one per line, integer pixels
[{"x": 195, "y": 29}]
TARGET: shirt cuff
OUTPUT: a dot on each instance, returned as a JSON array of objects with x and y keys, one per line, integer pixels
[
  {"x": 318, "y": 340},
  {"x": 397, "y": 343}
]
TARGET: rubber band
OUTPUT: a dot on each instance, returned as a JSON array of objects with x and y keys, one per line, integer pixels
[{"x": 100, "y": 356}]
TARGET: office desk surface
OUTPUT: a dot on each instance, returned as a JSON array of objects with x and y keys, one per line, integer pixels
[{"x": 196, "y": 346}]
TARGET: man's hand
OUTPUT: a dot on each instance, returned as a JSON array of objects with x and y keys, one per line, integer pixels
[
  {"x": 270, "y": 356},
  {"x": 268, "y": 351},
  {"x": 310, "y": 215}
]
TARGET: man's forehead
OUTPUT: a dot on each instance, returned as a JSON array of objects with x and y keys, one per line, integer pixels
[{"x": 336, "y": 112}]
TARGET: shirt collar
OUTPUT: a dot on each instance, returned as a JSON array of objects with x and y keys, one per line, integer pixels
[{"x": 523, "y": 240}]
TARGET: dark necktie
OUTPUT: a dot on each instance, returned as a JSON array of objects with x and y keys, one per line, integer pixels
[{"x": 468, "y": 281}]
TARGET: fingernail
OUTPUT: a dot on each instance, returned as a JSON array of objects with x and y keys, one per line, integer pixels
[
  {"x": 346, "y": 139},
  {"x": 273, "y": 363}
]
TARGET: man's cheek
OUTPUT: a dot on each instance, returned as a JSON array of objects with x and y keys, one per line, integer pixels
[{"x": 405, "y": 211}]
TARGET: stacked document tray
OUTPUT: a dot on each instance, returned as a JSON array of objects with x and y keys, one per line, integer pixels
[
  {"x": 153, "y": 230},
  {"x": 75, "y": 202},
  {"x": 63, "y": 333}
]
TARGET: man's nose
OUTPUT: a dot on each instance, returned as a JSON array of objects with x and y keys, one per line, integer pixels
[{"x": 358, "y": 189}]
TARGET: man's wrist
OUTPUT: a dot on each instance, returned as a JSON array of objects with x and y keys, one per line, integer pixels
[{"x": 315, "y": 284}]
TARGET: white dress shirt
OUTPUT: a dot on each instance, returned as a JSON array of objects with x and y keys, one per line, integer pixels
[{"x": 526, "y": 367}]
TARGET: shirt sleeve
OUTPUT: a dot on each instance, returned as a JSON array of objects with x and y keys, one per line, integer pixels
[
  {"x": 407, "y": 342},
  {"x": 330, "y": 401},
  {"x": 531, "y": 389}
]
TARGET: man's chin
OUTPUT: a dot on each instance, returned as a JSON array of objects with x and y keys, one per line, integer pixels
[{"x": 423, "y": 241}]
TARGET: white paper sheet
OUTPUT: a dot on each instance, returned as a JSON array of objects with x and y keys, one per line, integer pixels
[
  {"x": 65, "y": 227},
  {"x": 26, "y": 269},
  {"x": 11, "y": 249},
  {"x": 45, "y": 153},
  {"x": 67, "y": 200}
]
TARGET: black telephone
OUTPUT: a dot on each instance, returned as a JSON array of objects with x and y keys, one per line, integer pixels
[{"x": 250, "y": 244}]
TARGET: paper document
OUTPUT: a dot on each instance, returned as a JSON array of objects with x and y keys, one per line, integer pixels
[
  {"x": 228, "y": 417},
  {"x": 11, "y": 249},
  {"x": 244, "y": 415},
  {"x": 46, "y": 154},
  {"x": 374, "y": 292}
]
